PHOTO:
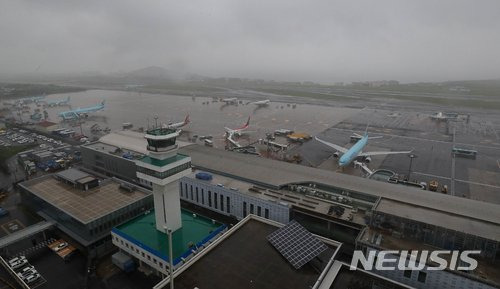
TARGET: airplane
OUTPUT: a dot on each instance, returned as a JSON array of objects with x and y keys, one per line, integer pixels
[
  {"x": 26, "y": 100},
  {"x": 177, "y": 124},
  {"x": 262, "y": 102},
  {"x": 232, "y": 100},
  {"x": 356, "y": 151},
  {"x": 442, "y": 116},
  {"x": 58, "y": 102},
  {"x": 237, "y": 131},
  {"x": 79, "y": 112}
]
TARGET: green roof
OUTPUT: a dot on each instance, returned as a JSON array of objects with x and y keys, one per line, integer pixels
[
  {"x": 161, "y": 163},
  {"x": 195, "y": 230}
]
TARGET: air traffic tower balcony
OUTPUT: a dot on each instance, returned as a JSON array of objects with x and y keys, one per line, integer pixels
[{"x": 161, "y": 139}]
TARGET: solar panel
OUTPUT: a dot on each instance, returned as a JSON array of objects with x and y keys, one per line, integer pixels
[{"x": 296, "y": 244}]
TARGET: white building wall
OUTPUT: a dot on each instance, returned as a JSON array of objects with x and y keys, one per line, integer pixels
[
  {"x": 189, "y": 187},
  {"x": 139, "y": 253},
  {"x": 433, "y": 280}
]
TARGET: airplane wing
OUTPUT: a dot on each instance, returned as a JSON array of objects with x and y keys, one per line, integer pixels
[
  {"x": 334, "y": 146},
  {"x": 367, "y": 154}
]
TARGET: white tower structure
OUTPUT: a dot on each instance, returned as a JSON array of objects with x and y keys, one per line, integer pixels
[{"x": 163, "y": 167}]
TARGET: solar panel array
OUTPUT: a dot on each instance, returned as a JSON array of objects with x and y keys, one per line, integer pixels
[{"x": 296, "y": 244}]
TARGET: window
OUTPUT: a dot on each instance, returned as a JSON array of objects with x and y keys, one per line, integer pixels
[
  {"x": 244, "y": 209},
  {"x": 421, "y": 276},
  {"x": 185, "y": 189},
  {"x": 202, "y": 197},
  {"x": 209, "y": 198},
  {"x": 215, "y": 200},
  {"x": 192, "y": 192},
  {"x": 221, "y": 202},
  {"x": 251, "y": 208},
  {"x": 407, "y": 273},
  {"x": 266, "y": 213},
  {"x": 227, "y": 205},
  {"x": 197, "y": 200},
  {"x": 258, "y": 211}
]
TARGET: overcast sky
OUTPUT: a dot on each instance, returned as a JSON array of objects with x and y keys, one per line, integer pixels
[{"x": 324, "y": 41}]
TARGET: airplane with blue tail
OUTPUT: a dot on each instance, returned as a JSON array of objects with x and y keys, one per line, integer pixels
[
  {"x": 81, "y": 112},
  {"x": 356, "y": 151},
  {"x": 57, "y": 102}
]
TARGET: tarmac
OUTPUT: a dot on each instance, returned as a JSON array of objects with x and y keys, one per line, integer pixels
[{"x": 404, "y": 125}]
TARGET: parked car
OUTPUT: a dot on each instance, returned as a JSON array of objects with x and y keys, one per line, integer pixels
[
  {"x": 3, "y": 212},
  {"x": 60, "y": 246},
  {"x": 18, "y": 263}
]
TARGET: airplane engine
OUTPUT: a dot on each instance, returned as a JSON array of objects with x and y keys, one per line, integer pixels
[
  {"x": 336, "y": 154},
  {"x": 368, "y": 160}
]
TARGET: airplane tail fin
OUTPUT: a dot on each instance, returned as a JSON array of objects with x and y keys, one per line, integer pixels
[
  {"x": 248, "y": 122},
  {"x": 186, "y": 120},
  {"x": 103, "y": 102},
  {"x": 366, "y": 130}
]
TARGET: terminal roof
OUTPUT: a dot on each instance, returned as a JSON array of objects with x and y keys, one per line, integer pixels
[{"x": 276, "y": 174}]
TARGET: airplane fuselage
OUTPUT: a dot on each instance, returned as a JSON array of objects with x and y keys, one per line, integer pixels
[
  {"x": 353, "y": 153},
  {"x": 77, "y": 112}
]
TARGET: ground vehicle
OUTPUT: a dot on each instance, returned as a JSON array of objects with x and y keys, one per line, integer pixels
[
  {"x": 18, "y": 263},
  {"x": 60, "y": 246},
  {"x": 209, "y": 142},
  {"x": 15, "y": 259},
  {"x": 32, "y": 278},
  {"x": 25, "y": 272},
  {"x": 3, "y": 212},
  {"x": 433, "y": 185}
]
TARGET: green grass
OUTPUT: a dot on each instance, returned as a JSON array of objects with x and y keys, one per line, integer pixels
[{"x": 7, "y": 152}]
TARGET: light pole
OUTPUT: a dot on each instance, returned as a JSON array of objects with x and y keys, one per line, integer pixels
[
  {"x": 411, "y": 156},
  {"x": 170, "y": 257}
]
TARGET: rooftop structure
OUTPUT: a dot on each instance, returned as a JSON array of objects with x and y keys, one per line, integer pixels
[
  {"x": 233, "y": 261},
  {"x": 84, "y": 206},
  {"x": 127, "y": 140},
  {"x": 193, "y": 235}
]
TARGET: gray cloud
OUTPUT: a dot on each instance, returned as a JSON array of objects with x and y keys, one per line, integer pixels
[{"x": 323, "y": 41}]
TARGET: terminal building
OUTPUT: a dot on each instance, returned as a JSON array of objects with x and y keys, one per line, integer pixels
[
  {"x": 361, "y": 213},
  {"x": 85, "y": 207}
]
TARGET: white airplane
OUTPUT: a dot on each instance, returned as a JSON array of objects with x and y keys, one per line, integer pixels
[
  {"x": 237, "y": 131},
  {"x": 440, "y": 116},
  {"x": 356, "y": 151},
  {"x": 232, "y": 100},
  {"x": 262, "y": 102},
  {"x": 177, "y": 125}
]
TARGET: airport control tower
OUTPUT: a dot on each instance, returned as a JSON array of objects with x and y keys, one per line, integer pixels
[{"x": 163, "y": 167}]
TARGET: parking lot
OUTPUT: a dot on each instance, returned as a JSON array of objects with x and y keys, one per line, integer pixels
[
  {"x": 15, "y": 136},
  {"x": 25, "y": 271}
]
